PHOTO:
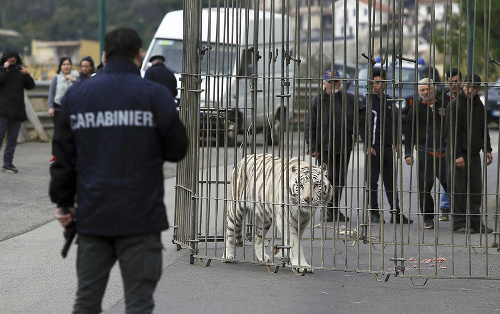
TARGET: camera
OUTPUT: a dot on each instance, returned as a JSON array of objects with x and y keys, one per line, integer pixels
[{"x": 17, "y": 67}]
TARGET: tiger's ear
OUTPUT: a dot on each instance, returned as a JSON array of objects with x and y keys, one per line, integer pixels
[
  {"x": 324, "y": 167},
  {"x": 294, "y": 168}
]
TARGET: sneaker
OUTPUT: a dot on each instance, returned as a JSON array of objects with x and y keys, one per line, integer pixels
[
  {"x": 342, "y": 217},
  {"x": 375, "y": 218},
  {"x": 9, "y": 168},
  {"x": 481, "y": 229},
  {"x": 444, "y": 217},
  {"x": 429, "y": 223},
  {"x": 465, "y": 230},
  {"x": 402, "y": 220},
  {"x": 330, "y": 217}
]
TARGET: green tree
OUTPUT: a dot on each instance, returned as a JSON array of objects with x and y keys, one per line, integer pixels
[{"x": 454, "y": 40}]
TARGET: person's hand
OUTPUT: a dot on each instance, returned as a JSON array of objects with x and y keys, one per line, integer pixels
[
  {"x": 51, "y": 111},
  {"x": 489, "y": 159},
  {"x": 23, "y": 70},
  {"x": 64, "y": 219},
  {"x": 460, "y": 163},
  {"x": 69, "y": 77},
  {"x": 409, "y": 160},
  {"x": 6, "y": 64},
  {"x": 372, "y": 151},
  {"x": 315, "y": 154}
]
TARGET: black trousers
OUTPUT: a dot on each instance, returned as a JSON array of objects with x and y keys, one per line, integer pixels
[
  {"x": 374, "y": 168},
  {"x": 140, "y": 260},
  {"x": 459, "y": 193},
  {"x": 337, "y": 172},
  {"x": 426, "y": 177}
]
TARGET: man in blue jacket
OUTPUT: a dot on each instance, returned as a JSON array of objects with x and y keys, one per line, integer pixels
[
  {"x": 159, "y": 73},
  {"x": 116, "y": 131}
]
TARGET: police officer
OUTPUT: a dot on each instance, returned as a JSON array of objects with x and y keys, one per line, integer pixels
[{"x": 116, "y": 131}]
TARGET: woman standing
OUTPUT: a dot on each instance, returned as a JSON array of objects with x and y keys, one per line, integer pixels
[{"x": 61, "y": 82}]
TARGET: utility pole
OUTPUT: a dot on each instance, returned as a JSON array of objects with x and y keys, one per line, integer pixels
[{"x": 102, "y": 24}]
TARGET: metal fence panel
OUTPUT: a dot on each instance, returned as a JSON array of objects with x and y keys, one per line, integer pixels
[{"x": 250, "y": 71}]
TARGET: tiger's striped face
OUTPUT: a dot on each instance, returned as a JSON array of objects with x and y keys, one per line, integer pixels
[{"x": 310, "y": 187}]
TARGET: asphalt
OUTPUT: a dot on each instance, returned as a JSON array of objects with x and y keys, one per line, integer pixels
[{"x": 35, "y": 279}]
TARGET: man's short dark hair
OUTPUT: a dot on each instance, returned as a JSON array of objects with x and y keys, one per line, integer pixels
[
  {"x": 451, "y": 73},
  {"x": 123, "y": 42},
  {"x": 157, "y": 57},
  {"x": 379, "y": 72},
  {"x": 474, "y": 79}
]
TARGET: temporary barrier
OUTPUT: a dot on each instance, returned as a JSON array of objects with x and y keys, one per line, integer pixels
[{"x": 254, "y": 81}]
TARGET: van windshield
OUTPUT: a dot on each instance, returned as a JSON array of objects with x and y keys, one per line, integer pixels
[{"x": 222, "y": 57}]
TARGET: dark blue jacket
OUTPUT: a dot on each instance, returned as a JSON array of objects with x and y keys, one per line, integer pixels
[
  {"x": 159, "y": 73},
  {"x": 116, "y": 131}
]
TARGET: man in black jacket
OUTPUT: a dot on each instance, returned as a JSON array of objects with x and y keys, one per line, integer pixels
[
  {"x": 116, "y": 131},
  {"x": 379, "y": 145},
  {"x": 159, "y": 73},
  {"x": 423, "y": 130},
  {"x": 14, "y": 79},
  {"x": 465, "y": 120},
  {"x": 328, "y": 133}
]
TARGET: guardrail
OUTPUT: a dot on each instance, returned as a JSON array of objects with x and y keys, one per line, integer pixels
[{"x": 39, "y": 125}]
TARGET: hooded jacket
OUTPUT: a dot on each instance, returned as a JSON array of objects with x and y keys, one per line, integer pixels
[{"x": 12, "y": 85}]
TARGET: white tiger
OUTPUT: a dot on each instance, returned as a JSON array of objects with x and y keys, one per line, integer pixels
[{"x": 308, "y": 188}]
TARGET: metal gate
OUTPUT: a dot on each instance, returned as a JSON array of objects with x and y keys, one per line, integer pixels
[{"x": 250, "y": 70}]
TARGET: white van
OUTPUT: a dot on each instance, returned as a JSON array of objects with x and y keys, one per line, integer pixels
[{"x": 228, "y": 70}]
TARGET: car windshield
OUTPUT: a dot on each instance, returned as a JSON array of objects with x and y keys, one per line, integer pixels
[{"x": 221, "y": 59}]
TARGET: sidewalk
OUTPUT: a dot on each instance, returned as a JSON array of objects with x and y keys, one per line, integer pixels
[{"x": 34, "y": 278}]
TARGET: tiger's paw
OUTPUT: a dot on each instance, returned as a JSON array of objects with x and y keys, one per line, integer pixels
[
  {"x": 266, "y": 258},
  {"x": 229, "y": 257},
  {"x": 303, "y": 270}
]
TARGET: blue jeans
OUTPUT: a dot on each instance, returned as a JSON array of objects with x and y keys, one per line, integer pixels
[
  {"x": 445, "y": 202},
  {"x": 11, "y": 127}
]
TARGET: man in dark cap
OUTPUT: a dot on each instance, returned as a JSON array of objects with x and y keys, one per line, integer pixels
[
  {"x": 328, "y": 133},
  {"x": 159, "y": 73},
  {"x": 465, "y": 119},
  {"x": 14, "y": 78},
  {"x": 87, "y": 67}
]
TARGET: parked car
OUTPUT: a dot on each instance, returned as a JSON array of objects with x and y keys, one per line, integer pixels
[{"x": 493, "y": 104}]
